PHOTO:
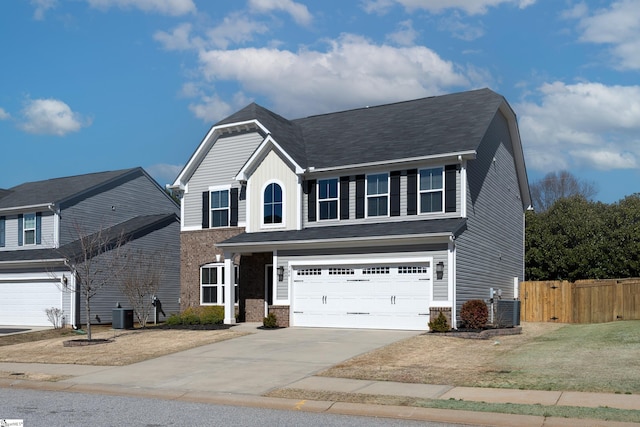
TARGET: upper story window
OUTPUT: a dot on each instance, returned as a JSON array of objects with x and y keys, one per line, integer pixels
[
  {"x": 328, "y": 198},
  {"x": 378, "y": 194},
  {"x": 272, "y": 204},
  {"x": 431, "y": 190},
  {"x": 29, "y": 229},
  {"x": 2, "y": 231},
  {"x": 219, "y": 208}
]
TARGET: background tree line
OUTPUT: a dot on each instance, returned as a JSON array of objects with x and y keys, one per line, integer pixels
[{"x": 571, "y": 237}]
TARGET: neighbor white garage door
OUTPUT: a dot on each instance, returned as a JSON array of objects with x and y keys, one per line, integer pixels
[
  {"x": 375, "y": 296},
  {"x": 24, "y": 303}
]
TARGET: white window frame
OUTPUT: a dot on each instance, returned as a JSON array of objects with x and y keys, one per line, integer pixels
[
  {"x": 262, "y": 202},
  {"x": 219, "y": 266},
  {"x": 431, "y": 190},
  {"x": 328, "y": 199},
  {"x": 228, "y": 208},
  {"x": 33, "y": 229},
  {"x": 378, "y": 195}
]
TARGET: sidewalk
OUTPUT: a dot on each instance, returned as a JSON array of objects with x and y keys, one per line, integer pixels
[{"x": 241, "y": 371}]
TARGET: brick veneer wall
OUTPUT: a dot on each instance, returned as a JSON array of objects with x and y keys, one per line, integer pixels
[
  {"x": 252, "y": 277},
  {"x": 282, "y": 315},
  {"x": 196, "y": 249}
]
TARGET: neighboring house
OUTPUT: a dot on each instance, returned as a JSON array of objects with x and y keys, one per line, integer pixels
[
  {"x": 368, "y": 218},
  {"x": 40, "y": 226}
]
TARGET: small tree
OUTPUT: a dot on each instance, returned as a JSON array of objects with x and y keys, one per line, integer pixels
[
  {"x": 141, "y": 277},
  {"x": 95, "y": 260}
]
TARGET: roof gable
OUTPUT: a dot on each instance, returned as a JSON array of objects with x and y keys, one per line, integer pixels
[{"x": 57, "y": 190}]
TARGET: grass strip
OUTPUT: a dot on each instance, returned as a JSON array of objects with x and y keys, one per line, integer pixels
[{"x": 576, "y": 412}]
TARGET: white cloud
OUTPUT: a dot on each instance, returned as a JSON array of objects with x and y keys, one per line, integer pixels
[
  {"x": 51, "y": 117},
  {"x": 406, "y": 34},
  {"x": 41, "y": 8},
  {"x": 297, "y": 11},
  {"x": 236, "y": 28},
  {"x": 164, "y": 173},
  {"x": 352, "y": 72},
  {"x": 584, "y": 124},
  {"x": 379, "y": 7},
  {"x": 164, "y": 7},
  {"x": 470, "y": 7},
  {"x": 177, "y": 39},
  {"x": 616, "y": 26},
  {"x": 4, "y": 115},
  {"x": 211, "y": 108},
  {"x": 459, "y": 29}
]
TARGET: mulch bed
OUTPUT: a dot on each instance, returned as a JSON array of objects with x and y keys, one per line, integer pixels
[
  {"x": 484, "y": 334},
  {"x": 85, "y": 342}
]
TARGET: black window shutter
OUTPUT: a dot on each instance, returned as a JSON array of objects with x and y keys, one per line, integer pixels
[
  {"x": 205, "y": 209},
  {"x": 2, "y": 231},
  {"x": 38, "y": 228},
  {"x": 360, "y": 196},
  {"x": 20, "y": 229},
  {"x": 412, "y": 192},
  {"x": 311, "y": 200},
  {"x": 233, "y": 222},
  {"x": 450, "y": 188},
  {"x": 394, "y": 209},
  {"x": 344, "y": 197}
]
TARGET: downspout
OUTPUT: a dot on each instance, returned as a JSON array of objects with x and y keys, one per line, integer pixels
[{"x": 75, "y": 300}]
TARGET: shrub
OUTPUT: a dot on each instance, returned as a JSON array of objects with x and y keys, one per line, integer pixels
[
  {"x": 55, "y": 316},
  {"x": 474, "y": 314},
  {"x": 270, "y": 321},
  {"x": 439, "y": 324},
  {"x": 211, "y": 315}
]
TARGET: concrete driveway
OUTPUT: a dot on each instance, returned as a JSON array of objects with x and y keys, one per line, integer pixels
[{"x": 252, "y": 364}]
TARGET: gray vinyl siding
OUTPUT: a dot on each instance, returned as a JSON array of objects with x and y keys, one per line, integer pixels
[
  {"x": 437, "y": 251},
  {"x": 219, "y": 167},
  {"x": 165, "y": 240},
  {"x": 124, "y": 200},
  {"x": 11, "y": 232},
  {"x": 403, "y": 206},
  {"x": 490, "y": 252}
]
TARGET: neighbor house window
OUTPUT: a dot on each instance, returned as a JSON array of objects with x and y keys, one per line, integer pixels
[
  {"x": 431, "y": 190},
  {"x": 29, "y": 229},
  {"x": 272, "y": 204},
  {"x": 328, "y": 198},
  {"x": 377, "y": 194},
  {"x": 219, "y": 208}
]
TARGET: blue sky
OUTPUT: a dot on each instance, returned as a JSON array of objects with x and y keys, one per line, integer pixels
[{"x": 94, "y": 85}]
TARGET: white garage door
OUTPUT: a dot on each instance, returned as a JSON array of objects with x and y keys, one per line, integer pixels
[
  {"x": 375, "y": 296},
  {"x": 24, "y": 303}
]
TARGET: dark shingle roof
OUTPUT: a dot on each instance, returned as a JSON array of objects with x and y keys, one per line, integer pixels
[
  {"x": 130, "y": 230},
  {"x": 422, "y": 127},
  {"x": 386, "y": 229},
  {"x": 58, "y": 189}
]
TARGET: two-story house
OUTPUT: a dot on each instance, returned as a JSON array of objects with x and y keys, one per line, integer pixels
[
  {"x": 41, "y": 227},
  {"x": 368, "y": 218}
]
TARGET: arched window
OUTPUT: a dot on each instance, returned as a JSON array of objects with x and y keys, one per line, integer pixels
[{"x": 273, "y": 204}]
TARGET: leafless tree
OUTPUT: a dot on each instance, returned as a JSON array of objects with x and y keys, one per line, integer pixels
[
  {"x": 140, "y": 280},
  {"x": 95, "y": 259},
  {"x": 559, "y": 185}
]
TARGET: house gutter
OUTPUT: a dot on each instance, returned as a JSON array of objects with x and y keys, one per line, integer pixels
[
  {"x": 457, "y": 157},
  {"x": 37, "y": 207}
]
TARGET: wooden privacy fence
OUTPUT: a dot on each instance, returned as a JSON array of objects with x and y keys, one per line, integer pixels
[{"x": 585, "y": 301}]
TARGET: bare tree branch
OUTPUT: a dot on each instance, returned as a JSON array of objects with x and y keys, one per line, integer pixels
[{"x": 559, "y": 185}]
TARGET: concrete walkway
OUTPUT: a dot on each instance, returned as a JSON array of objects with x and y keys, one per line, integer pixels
[{"x": 240, "y": 371}]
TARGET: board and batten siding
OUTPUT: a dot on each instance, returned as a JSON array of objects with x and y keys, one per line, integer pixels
[
  {"x": 490, "y": 253},
  {"x": 219, "y": 168},
  {"x": 125, "y": 199},
  {"x": 403, "y": 204},
  {"x": 273, "y": 169},
  {"x": 47, "y": 237}
]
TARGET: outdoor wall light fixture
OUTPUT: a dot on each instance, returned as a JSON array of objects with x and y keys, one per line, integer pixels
[
  {"x": 280, "y": 274},
  {"x": 439, "y": 270}
]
